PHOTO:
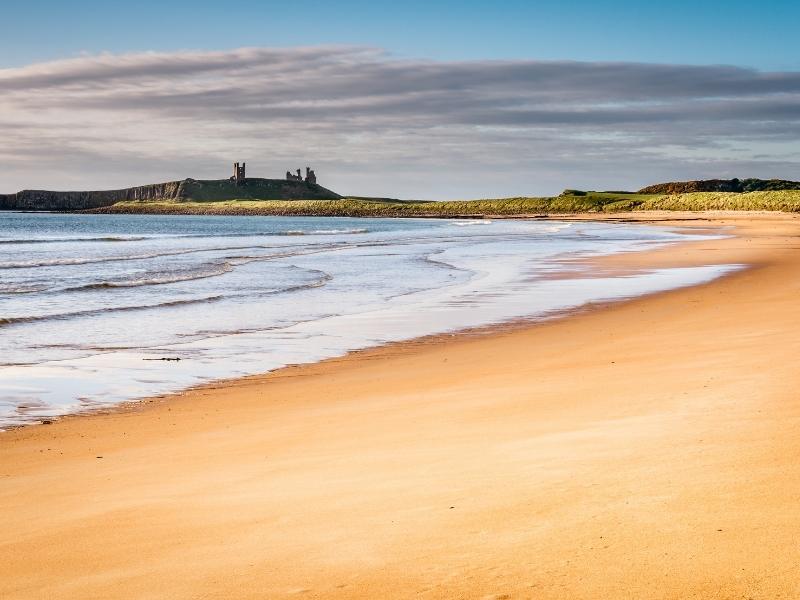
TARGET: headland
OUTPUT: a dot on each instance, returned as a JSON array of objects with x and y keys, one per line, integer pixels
[
  {"x": 298, "y": 195},
  {"x": 186, "y": 190}
]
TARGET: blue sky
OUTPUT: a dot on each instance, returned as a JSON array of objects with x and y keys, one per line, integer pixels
[
  {"x": 756, "y": 34},
  {"x": 407, "y": 99}
]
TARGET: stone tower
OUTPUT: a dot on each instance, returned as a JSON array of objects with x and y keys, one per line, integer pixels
[{"x": 238, "y": 173}]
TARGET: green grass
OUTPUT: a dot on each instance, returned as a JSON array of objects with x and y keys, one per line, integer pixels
[
  {"x": 591, "y": 202},
  {"x": 782, "y": 200},
  {"x": 254, "y": 189}
]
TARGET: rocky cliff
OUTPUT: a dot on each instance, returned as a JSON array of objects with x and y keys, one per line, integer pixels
[{"x": 176, "y": 191}]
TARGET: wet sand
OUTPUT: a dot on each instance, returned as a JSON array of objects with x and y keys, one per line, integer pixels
[{"x": 644, "y": 449}]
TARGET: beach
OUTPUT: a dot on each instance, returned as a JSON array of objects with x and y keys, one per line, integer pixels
[
  {"x": 91, "y": 304},
  {"x": 637, "y": 449}
]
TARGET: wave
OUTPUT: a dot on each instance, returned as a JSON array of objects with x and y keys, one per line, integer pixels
[
  {"x": 98, "y": 311},
  {"x": 323, "y": 231},
  {"x": 110, "y": 238},
  {"x": 62, "y": 262},
  {"x": 472, "y": 222},
  {"x": 154, "y": 280},
  {"x": 214, "y": 270},
  {"x": 21, "y": 289},
  {"x": 319, "y": 282},
  {"x": 557, "y": 228},
  {"x": 246, "y": 234},
  {"x": 67, "y": 240},
  {"x": 179, "y": 277}
]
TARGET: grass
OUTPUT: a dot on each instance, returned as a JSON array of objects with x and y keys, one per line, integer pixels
[
  {"x": 589, "y": 202},
  {"x": 780, "y": 200},
  {"x": 253, "y": 189}
]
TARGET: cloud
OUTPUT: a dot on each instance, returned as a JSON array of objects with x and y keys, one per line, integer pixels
[{"x": 376, "y": 124}]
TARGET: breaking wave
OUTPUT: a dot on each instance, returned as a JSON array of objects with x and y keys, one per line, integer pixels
[
  {"x": 319, "y": 282},
  {"x": 324, "y": 231},
  {"x": 164, "y": 279},
  {"x": 62, "y": 262},
  {"x": 72, "y": 239},
  {"x": 283, "y": 252},
  {"x": 21, "y": 289}
]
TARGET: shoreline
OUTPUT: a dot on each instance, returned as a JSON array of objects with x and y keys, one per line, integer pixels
[
  {"x": 680, "y": 215},
  {"x": 583, "y": 203},
  {"x": 589, "y": 263},
  {"x": 343, "y": 449}
]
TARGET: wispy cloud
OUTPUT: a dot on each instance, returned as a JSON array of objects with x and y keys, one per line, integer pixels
[{"x": 375, "y": 124}]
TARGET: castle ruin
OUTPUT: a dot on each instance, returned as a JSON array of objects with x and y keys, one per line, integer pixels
[
  {"x": 239, "y": 177},
  {"x": 311, "y": 177},
  {"x": 238, "y": 173}
]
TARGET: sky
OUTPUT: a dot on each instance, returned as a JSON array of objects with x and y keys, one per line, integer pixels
[{"x": 405, "y": 99}]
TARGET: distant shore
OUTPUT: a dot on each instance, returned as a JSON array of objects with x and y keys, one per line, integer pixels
[
  {"x": 643, "y": 449},
  {"x": 295, "y": 196},
  {"x": 590, "y": 203}
]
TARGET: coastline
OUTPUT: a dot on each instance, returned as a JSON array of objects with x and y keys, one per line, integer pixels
[
  {"x": 341, "y": 483},
  {"x": 569, "y": 202},
  {"x": 322, "y": 300}
]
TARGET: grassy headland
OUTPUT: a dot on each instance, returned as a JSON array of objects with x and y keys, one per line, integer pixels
[{"x": 569, "y": 202}]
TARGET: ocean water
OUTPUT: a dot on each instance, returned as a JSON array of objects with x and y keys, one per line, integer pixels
[{"x": 90, "y": 304}]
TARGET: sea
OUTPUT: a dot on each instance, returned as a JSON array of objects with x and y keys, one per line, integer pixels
[{"x": 101, "y": 309}]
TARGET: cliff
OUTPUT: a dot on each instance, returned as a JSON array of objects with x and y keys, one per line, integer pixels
[
  {"x": 187, "y": 190},
  {"x": 721, "y": 185}
]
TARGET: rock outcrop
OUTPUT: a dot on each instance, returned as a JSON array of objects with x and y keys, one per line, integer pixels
[
  {"x": 176, "y": 191},
  {"x": 69, "y": 201}
]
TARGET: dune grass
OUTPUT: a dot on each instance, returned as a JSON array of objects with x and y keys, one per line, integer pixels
[
  {"x": 782, "y": 200},
  {"x": 589, "y": 202}
]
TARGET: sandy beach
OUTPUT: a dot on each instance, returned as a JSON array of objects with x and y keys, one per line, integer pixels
[{"x": 643, "y": 449}]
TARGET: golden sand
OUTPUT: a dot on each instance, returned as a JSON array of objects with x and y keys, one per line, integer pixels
[{"x": 645, "y": 449}]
